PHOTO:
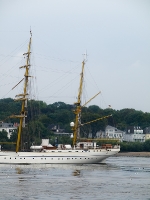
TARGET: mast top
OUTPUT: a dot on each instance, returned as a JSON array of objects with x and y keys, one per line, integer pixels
[{"x": 85, "y": 56}]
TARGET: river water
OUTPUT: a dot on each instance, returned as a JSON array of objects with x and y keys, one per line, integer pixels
[{"x": 119, "y": 178}]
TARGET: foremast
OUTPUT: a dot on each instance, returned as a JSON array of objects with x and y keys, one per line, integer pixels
[
  {"x": 23, "y": 97},
  {"x": 77, "y": 111}
]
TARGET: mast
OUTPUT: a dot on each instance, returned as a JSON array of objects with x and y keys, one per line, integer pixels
[
  {"x": 77, "y": 111},
  {"x": 76, "y": 125},
  {"x": 23, "y": 97}
]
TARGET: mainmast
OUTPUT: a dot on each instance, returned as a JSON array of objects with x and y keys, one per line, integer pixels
[
  {"x": 76, "y": 127},
  {"x": 23, "y": 97}
]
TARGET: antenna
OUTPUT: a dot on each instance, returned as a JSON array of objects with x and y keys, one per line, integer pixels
[{"x": 85, "y": 56}]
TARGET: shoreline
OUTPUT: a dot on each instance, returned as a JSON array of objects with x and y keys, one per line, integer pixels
[{"x": 133, "y": 154}]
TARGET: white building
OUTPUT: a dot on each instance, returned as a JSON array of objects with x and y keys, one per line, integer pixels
[
  {"x": 113, "y": 133},
  {"x": 100, "y": 134},
  {"x": 8, "y": 127},
  {"x": 110, "y": 133},
  {"x": 134, "y": 134}
]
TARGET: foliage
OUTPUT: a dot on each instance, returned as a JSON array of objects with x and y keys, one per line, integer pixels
[
  {"x": 135, "y": 146},
  {"x": 5, "y": 142},
  {"x": 147, "y": 145},
  {"x": 3, "y": 136}
]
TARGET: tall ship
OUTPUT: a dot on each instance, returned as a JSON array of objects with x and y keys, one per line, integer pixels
[{"x": 81, "y": 152}]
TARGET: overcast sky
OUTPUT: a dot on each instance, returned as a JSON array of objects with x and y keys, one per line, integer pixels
[{"x": 114, "y": 33}]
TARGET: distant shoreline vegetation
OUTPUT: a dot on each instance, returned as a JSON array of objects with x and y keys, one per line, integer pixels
[
  {"x": 41, "y": 117},
  {"x": 135, "y": 146}
]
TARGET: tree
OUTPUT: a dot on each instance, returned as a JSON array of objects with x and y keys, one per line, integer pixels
[
  {"x": 3, "y": 136},
  {"x": 147, "y": 145}
]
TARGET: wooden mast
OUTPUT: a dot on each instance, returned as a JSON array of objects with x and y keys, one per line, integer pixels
[
  {"x": 77, "y": 111},
  {"x": 76, "y": 128},
  {"x": 23, "y": 97}
]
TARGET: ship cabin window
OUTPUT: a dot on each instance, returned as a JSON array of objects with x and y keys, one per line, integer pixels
[
  {"x": 51, "y": 158},
  {"x": 76, "y": 151}
]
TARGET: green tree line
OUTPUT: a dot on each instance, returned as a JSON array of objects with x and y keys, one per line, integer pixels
[{"x": 41, "y": 115}]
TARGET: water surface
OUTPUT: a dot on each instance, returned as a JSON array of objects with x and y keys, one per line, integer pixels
[{"x": 119, "y": 178}]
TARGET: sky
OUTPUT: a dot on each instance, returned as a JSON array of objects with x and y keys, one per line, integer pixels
[{"x": 114, "y": 34}]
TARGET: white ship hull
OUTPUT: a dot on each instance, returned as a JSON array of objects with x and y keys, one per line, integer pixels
[{"x": 57, "y": 156}]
